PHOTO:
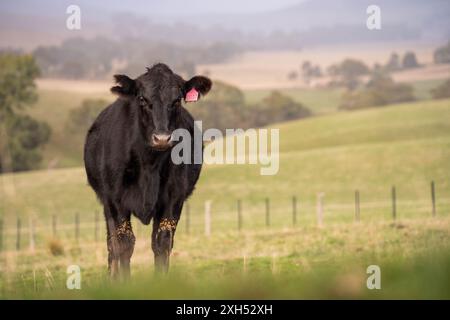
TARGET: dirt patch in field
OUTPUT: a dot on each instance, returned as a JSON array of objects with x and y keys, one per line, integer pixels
[{"x": 80, "y": 86}]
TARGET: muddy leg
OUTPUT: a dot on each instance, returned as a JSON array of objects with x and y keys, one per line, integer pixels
[
  {"x": 162, "y": 242},
  {"x": 120, "y": 247},
  {"x": 126, "y": 241}
]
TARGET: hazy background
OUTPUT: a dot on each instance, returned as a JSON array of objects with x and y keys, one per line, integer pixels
[
  {"x": 252, "y": 44},
  {"x": 364, "y": 123},
  {"x": 24, "y": 23}
]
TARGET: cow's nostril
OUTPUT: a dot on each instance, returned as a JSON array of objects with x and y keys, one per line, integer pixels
[{"x": 160, "y": 138}]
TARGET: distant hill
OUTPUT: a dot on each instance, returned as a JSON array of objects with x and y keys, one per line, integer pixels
[
  {"x": 309, "y": 22},
  {"x": 415, "y": 14}
]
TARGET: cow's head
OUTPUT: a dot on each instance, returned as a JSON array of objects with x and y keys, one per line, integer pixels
[{"x": 158, "y": 94}]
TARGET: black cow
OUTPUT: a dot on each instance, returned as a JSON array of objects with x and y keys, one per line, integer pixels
[{"x": 127, "y": 156}]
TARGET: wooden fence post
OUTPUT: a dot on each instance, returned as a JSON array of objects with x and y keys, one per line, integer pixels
[
  {"x": 208, "y": 218},
  {"x": 267, "y": 212},
  {"x": 19, "y": 226},
  {"x": 433, "y": 199},
  {"x": 320, "y": 209},
  {"x": 31, "y": 232},
  {"x": 239, "y": 215},
  {"x": 357, "y": 207},
  {"x": 394, "y": 203},
  {"x": 294, "y": 210},
  {"x": 188, "y": 217}
]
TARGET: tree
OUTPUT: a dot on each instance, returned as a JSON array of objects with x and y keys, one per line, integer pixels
[
  {"x": 277, "y": 107},
  {"x": 348, "y": 72},
  {"x": 379, "y": 91},
  {"x": 310, "y": 71},
  {"x": 316, "y": 71},
  {"x": 21, "y": 135},
  {"x": 292, "y": 75},
  {"x": 333, "y": 72},
  {"x": 442, "y": 91},
  {"x": 442, "y": 54},
  {"x": 353, "y": 68},
  {"x": 17, "y": 88},
  {"x": 409, "y": 60},
  {"x": 73, "y": 70},
  {"x": 394, "y": 63},
  {"x": 25, "y": 136}
]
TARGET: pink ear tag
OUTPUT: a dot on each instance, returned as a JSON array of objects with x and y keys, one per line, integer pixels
[{"x": 191, "y": 96}]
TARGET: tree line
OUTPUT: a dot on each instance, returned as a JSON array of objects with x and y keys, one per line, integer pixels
[{"x": 99, "y": 58}]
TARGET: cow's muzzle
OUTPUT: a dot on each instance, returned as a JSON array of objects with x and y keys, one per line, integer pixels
[{"x": 161, "y": 141}]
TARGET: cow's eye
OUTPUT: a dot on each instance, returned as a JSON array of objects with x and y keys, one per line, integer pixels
[
  {"x": 142, "y": 100},
  {"x": 144, "y": 103}
]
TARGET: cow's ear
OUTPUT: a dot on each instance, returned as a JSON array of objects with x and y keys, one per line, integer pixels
[
  {"x": 126, "y": 88},
  {"x": 196, "y": 87}
]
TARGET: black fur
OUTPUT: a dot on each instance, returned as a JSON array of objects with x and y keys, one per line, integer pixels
[{"x": 132, "y": 176}]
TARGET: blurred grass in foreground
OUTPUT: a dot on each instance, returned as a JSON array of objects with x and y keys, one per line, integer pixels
[{"x": 294, "y": 263}]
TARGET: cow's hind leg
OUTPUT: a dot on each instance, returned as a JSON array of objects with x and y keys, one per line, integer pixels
[
  {"x": 162, "y": 241},
  {"x": 120, "y": 245}
]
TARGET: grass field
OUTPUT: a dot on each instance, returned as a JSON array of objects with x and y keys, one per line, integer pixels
[{"x": 405, "y": 145}]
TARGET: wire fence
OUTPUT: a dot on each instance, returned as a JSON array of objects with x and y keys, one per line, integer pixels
[{"x": 35, "y": 233}]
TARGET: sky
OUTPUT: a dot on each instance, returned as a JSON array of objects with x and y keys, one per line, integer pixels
[
  {"x": 26, "y": 23},
  {"x": 165, "y": 7},
  {"x": 217, "y": 6}
]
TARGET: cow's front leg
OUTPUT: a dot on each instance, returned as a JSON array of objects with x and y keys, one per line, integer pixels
[
  {"x": 126, "y": 240},
  {"x": 120, "y": 247},
  {"x": 162, "y": 242}
]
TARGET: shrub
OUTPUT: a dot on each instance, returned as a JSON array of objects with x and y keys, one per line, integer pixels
[
  {"x": 276, "y": 108},
  {"x": 348, "y": 72},
  {"x": 379, "y": 91},
  {"x": 409, "y": 60},
  {"x": 441, "y": 91},
  {"x": 55, "y": 247},
  {"x": 442, "y": 54}
]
